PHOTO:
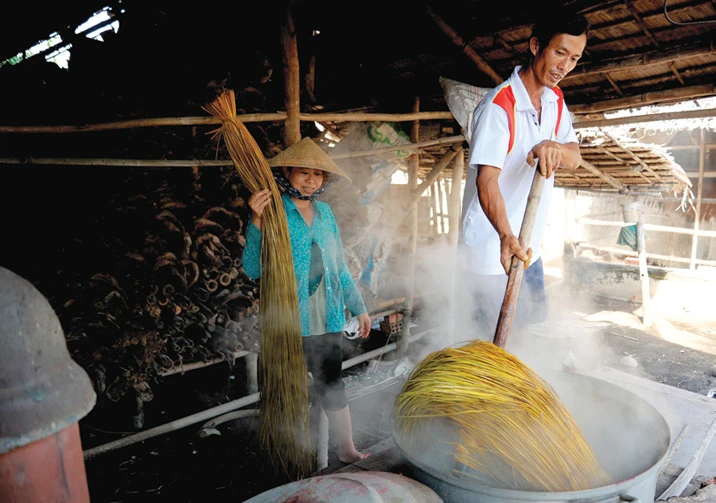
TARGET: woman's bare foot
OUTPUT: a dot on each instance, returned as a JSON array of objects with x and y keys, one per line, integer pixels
[{"x": 351, "y": 456}]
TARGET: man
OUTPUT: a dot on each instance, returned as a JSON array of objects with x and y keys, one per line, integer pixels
[{"x": 521, "y": 124}]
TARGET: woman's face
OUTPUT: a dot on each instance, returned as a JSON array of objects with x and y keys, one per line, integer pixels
[{"x": 305, "y": 180}]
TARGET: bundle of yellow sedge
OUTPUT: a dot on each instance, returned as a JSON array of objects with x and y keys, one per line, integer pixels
[
  {"x": 510, "y": 428},
  {"x": 283, "y": 379}
]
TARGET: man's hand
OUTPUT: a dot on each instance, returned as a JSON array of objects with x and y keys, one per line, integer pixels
[
  {"x": 549, "y": 154},
  {"x": 509, "y": 247}
]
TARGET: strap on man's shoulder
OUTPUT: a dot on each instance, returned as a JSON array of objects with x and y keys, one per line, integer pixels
[
  {"x": 560, "y": 109},
  {"x": 505, "y": 99}
]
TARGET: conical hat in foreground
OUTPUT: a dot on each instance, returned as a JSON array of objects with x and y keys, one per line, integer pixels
[{"x": 306, "y": 154}]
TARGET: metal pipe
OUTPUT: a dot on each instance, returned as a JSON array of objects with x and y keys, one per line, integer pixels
[
  {"x": 385, "y": 349},
  {"x": 173, "y": 425},
  {"x": 224, "y": 408}
]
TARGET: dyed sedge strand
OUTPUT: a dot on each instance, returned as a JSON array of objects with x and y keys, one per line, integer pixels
[
  {"x": 511, "y": 425},
  {"x": 283, "y": 419}
]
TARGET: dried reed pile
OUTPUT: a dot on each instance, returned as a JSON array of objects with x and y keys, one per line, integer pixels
[
  {"x": 283, "y": 380},
  {"x": 511, "y": 430}
]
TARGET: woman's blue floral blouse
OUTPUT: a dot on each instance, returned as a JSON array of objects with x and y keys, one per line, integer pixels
[{"x": 341, "y": 290}]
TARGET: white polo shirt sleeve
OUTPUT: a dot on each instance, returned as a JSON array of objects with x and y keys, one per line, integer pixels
[
  {"x": 490, "y": 137},
  {"x": 566, "y": 133}
]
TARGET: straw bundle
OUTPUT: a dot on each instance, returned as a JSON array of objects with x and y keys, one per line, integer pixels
[
  {"x": 283, "y": 378},
  {"x": 509, "y": 427}
]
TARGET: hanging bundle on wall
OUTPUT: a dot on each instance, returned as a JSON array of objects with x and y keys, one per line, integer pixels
[{"x": 283, "y": 379}]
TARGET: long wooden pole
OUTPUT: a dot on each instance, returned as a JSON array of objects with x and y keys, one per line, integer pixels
[
  {"x": 699, "y": 196},
  {"x": 471, "y": 53},
  {"x": 328, "y": 117},
  {"x": 643, "y": 270},
  {"x": 454, "y": 212},
  {"x": 517, "y": 267},
  {"x": 642, "y": 61},
  {"x": 454, "y": 215},
  {"x": 292, "y": 78},
  {"x": 413, "y": 162},
  {"x": 681, "y": 93}
]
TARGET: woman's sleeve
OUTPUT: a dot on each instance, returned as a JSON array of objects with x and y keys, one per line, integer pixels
[
  {"x": 351, "y": 296},
  {"x": 251, "y": 256}
]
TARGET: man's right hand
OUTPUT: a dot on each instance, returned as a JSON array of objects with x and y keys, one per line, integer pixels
[
  {"x": 258, "y": 202},
  {"x": 509, "y": 247}
]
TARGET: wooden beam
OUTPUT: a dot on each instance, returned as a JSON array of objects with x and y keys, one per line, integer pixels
[
  {"x": 642, "y": 61},
  {"x": 683, "y": 93},
  {"x": 416, "y": 192},
  {"x": 699, "y": 197},
  {"x": 292, "y": 78},
  {"x": 644, "y": 165},
  {"x": 465, "y": 46},
  {"x": 638, "y": 119},
  {"x": 609, "y": 179},
  {"x": 640, "y": 22},
  {"x": 454, "y": 208},
  {"x": 330, "y": 117},
  {"x": 408, "y": 148},
  {"x": 413, "y": 160}
]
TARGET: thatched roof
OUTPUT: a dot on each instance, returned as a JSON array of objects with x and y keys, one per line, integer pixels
[{"x": 373, "y": 58}]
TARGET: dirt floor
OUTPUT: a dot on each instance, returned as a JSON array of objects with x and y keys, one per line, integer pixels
[{"x": 678, "y": 349}]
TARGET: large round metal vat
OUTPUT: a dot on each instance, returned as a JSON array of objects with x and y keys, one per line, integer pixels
[
  {"x": 358, "y": 487},
  {"x": 627, "y": 434}
]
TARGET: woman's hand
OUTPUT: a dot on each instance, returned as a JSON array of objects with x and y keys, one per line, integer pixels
[
  {"x": 364, "y": 327},
  {"x": 258, "y": 202}
]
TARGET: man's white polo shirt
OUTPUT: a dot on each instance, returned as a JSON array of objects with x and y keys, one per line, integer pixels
[{"x": 493, "y": 144}]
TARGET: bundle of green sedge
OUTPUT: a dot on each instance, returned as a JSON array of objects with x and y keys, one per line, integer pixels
[
  {"x": 510, "y": 428},
  {"x": 283, "y": 379}
]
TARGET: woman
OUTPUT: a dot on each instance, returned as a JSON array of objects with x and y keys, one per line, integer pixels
[{"x": 325, "y": 286}]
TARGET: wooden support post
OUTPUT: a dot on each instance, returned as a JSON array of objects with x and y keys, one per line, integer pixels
[
  {"x": 455, "y": 203},
  {"x": 292, "y": 126},
  {"x": 444, "y": 211},
  {"x": 643, "y": 271},
  {"x": 413, "y": 162},
  {"x": 699, "y": 197},
  {"x": 438, "y": 208},
  {"x": 455, "y": 217},
  {"x": 252, "y": 376},
  {"x": 416, "y": 192},
  {"x": 323, "y": 438}
]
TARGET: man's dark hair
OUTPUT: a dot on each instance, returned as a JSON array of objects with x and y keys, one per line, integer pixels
[{"x": 559, "y": 22}]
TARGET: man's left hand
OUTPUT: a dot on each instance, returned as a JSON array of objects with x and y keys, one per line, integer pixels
[{"x": 549, "y": 154}]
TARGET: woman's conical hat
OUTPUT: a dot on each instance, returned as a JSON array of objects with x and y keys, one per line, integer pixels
[{"x": 306, "y": 154}]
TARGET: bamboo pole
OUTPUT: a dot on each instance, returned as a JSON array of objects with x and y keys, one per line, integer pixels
[
  {"x": 650, "y": 227},
  {"x": 681, "y": 93},
  {"x": 641, "y": 163},
  {"x": 458, "y": 40},
  {"x": 517, "y": 267},
  {"x": 332, "y": 117},
  {"x": 454, "y": 215},
  {"x": 191, "y": 163},
  {"x": 413, "y": 162},
  {"x": 415, "y": 193},
  {"x": 609, "y": 179},
  {"x": 437, "y": 207},
  {"x": 454, "y": 211},
  {"x": 292, "y": 78},
  {"x": 643, "y": 271},
  {"x": 444, "y": 211},
  {"x": 629, "y": 253},
  {"x": 699, "y": 196},
  {"x": 407, "y": 148}
]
